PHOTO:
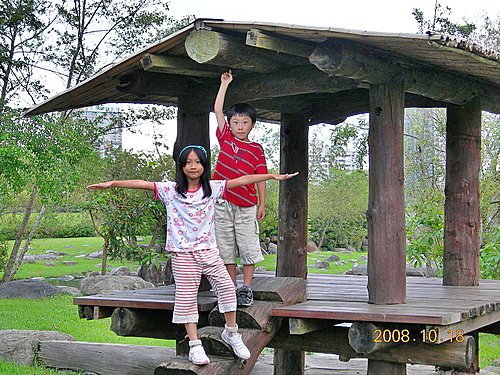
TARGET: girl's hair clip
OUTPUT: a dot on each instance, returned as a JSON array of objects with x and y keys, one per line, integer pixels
[{"x": 194, "y": 146}]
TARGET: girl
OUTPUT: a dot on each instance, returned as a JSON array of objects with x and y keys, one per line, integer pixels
[{"x": 191, "y": 241}]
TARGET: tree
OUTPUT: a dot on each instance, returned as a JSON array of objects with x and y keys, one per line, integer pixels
[
  {"x": 120, "y": 215},
  {"x": 337, "y": 209},
  {"x": 23, "y": 24},
  {"x": 38, "y": 154},
  {"x": 70, "y": 40}
]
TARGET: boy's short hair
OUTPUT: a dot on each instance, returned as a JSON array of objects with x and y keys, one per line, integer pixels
[{"x": 242, "y": 109}]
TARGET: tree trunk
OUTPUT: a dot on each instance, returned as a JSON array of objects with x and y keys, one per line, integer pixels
[
  {"x": 10, "y": 267},
  {"x": 27, "y": 243}
]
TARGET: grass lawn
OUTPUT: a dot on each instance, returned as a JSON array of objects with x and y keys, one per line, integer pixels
[
  {"x": 74, "y": 249},
  {"x": 59, "y": 314}
]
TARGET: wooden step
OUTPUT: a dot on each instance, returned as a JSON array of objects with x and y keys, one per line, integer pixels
[{"x": 258, "y": 316}]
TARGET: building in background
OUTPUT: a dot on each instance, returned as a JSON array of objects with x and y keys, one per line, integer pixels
[{"x": 107, "y": 118}]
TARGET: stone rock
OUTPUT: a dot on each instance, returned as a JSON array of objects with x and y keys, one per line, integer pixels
[
  {"x": 274, "y": 239},
  {"x": 49, "y": 264},
  {"x": 35, "y": 257},
  {"x": 69, "y": 262},
  {"x": 20, "y": 346},
  {"x": 340, "y": 250},
  {"x": 358, "y": 270},
  {"x": 260, "y": 269},
  {"x": 350, "y": 249},
  {"x": 321, "y": 264},
  {"x": 272, "y": 248},
  {"x": 412, "y": 271},
  {"x": 56, "y": 253},
  {"x": 263, "y": 246},
  {"x": 333, "y": 258},
  {"x": 363, "y": 258},
  {"x": 61, "y": 289},
  {"x": 31, "y": 289},
  {"x": 66, "y": 278},
  {"x": 161, "y": 275},
  {"x": 311, "y": 247},
  {"x": 95, "y": 255},
  {"x": 267, "y": 240},
  {"x": 120, "y": 271},
  {"x": 99, "y": 284}
]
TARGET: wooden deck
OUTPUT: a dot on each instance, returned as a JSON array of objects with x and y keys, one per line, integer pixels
[
  {"x": 343, "y": 298},
  {"x": 433, "y": 314}
]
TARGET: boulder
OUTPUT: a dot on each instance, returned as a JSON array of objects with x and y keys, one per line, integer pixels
[
  {"x": 321, "y": 264},
  {"x": 161, "y": 275},
  {"x": 61, "y": 289},
  {"x": 21, "y": 346},
  {"x": 311, "y": 247},
  {"x": 333, "y": 258},
  {"x": 27, "y": 289},
  {"x": 35, "y": 257},
  {"x": 95, "y": 255},
  {"x": 120, "y": 271},
  {"x": 272, "y": 248},
  {"x": 260, "y": 269},
  {"x": 99, "y": 284}
]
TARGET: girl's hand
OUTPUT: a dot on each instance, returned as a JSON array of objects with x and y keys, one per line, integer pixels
[
  {"x": 226, "y": 77},
  {"x": 285, "y": 176},
  {"x": 100, "y": 186}
]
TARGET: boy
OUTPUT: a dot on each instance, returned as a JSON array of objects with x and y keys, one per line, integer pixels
[{"x": 236, "y": 226}]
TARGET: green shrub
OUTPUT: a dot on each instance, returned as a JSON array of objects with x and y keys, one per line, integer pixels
[{"x": 53, "y": 225}]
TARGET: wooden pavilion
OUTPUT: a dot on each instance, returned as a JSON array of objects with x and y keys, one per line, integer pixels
[{"x": 301, "y": 76}]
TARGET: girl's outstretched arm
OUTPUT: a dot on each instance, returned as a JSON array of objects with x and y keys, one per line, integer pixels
[
  {"x": 254, "y": 178},
  {"x": 127, "y": 184}
]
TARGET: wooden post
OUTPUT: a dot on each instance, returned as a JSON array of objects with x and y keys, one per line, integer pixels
[
  {"x": 386, "y": 221},
  {"x": 292, "y": 230},
  {"x": 461, "y": 213},
  {"x": 192, "y": 126}
]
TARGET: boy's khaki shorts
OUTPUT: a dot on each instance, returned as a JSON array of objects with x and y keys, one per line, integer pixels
[{"x": 237, "y": 233}]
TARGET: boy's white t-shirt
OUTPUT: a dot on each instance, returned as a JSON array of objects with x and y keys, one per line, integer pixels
[{"x": 190, "y": 220}]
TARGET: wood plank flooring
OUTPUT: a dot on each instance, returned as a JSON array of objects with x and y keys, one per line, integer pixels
[{"x": 343, "y": 298}]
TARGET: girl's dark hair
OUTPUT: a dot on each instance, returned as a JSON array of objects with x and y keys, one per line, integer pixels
[
  {"x": 241, "y": 109},
  {"x": 181, "y": 179}
]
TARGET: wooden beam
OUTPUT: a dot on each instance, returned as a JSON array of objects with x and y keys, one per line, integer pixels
[
  {"x": 385, "y": 214},
  {"x": 204, "y": 46},
  {"x": 265, "y": 40},
  {"x": 461, "y": 215},
  {"x": 335, "y": 340},
  {"x": 302, "y": 326},
  {"x": 178, "y": 65},
  {"x": 454, "y": 332},
  {"x": 340, "y": 59},
  {"x": 366, "y": 337},
  {"x": 149, "y": 83},
  {"x": 145, "y": 323}
]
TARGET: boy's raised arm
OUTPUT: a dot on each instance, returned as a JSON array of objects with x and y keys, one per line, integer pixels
[
  {"x": 225, "y": 80},
  {"x": 127, "y": 184}
]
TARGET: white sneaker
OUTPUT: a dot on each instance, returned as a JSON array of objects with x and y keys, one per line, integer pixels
[
  {"x": 197, "y": 354},
  {"x": 233, "y": 339}
]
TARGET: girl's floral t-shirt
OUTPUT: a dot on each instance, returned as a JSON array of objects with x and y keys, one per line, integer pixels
[{"x": 190, "y": 220}]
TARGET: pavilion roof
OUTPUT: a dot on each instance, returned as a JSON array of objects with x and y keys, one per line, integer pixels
[{"x": 442, "y": 54}]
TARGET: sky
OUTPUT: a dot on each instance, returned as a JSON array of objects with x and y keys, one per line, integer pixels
[{"x": 393, "y": 16}]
